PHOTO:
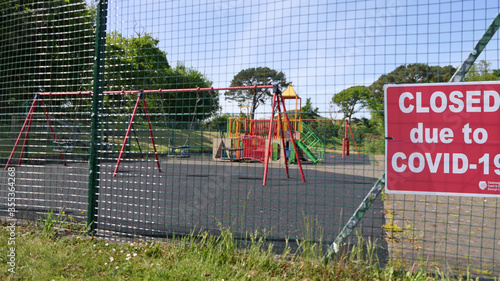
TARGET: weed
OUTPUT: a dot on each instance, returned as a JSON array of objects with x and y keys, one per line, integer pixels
[
  {"x": 391, "y": 227},
  {"x": 308, "y": 245},
  {"x": 51, "y": 223},
  {"x": 154, "y": 250}
]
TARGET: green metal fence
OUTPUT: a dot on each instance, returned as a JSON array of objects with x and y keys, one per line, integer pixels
[{"x": 141, "y": 118}]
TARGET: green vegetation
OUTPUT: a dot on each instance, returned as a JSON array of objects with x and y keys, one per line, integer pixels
[
  {"x": 481, "y": 71},
  {"x": 355, "y": 98},
  {"x": 46, "y": 253},
  {"x": 138, "y": 63},
  {"x": 350, "y": 100},
  {"x": 200, "y": 141},
  {"x": 55, "y": 49},
  {"x": 308, "y": 111}
]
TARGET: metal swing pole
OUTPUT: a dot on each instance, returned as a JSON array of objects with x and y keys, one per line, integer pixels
[
  {"x": 352, "y": 136},
  {"x": 345, "y": 141},
  {"x": 283, "y": 138},
  {"x": 150, "y": 130},
  {"x": 269, "y": 137},
  {"x": 26, "y": 137},
  {"x": 277, "y": 98},
  {"x": 30, "y": 112},
  {"x": 140, "y": 96},
  {"x": 27, "y": 126},
  {"x": 127, "y": 134},
  {"x": 291, "y": 136}
]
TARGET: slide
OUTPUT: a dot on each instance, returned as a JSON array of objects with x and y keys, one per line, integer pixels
[{"x": 308, "y": 152}]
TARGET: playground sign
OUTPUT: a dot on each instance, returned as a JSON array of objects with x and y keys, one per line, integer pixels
[{"x": 443, "y": 139}]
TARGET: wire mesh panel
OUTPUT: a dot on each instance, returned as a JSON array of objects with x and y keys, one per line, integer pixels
[
  {"x": 259, "y": 116},
  {"x": 338, "y": 56},
  {"x": 211, "y": 144},
  {"x": 45, "y": 46}
]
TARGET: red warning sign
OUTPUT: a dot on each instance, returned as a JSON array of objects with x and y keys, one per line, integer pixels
[{"x": 443, "y": 138}]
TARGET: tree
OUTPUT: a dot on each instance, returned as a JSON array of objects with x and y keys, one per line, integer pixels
[
  {"x": 250, "y": 77},
  {"x": 183, "y": 106},
  {"x": 45, "y": 45},
  {"x": 350, "y": 100},
  {"x": 137, "y": 63},
  {"x": 218, "y": 123},
  {"x": 134, "y": 63},
  {"x": 308, "y": 112},
  {"x": 407, "y": 74},
  {"x": 480, "y": 71}
]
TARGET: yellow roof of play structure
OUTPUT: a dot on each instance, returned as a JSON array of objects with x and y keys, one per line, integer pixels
[{"x": 290, "y": 93}]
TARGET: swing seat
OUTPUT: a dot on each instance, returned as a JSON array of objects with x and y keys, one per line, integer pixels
[
  {"x": 180, "y": 151},
  {"x": 63, "y": 146}
]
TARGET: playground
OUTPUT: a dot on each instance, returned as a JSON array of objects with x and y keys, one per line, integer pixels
[{"x": 275, "y": 176}]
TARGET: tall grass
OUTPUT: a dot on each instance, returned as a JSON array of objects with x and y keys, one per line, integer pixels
[{"x": 199, "y": 256}]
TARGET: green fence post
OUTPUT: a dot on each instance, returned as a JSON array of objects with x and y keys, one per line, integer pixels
[
  {"x": 100, "y": 47},
  {"x": 474, "y": 54}
]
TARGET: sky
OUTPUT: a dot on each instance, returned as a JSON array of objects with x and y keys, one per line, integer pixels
[{"x": 322, "y": 46}]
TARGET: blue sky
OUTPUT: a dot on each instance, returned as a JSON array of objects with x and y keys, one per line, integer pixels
[{"x": 323, "y": 47}]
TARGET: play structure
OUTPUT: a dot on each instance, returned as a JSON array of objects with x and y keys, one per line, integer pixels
[
  {"x": 63, "y": 145},
  {"x": 248, "y": 138}
]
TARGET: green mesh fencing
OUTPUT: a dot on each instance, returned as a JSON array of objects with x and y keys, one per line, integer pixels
[
  {"x": 45, "y": 46},
  {"x": 157, "y": 128}
]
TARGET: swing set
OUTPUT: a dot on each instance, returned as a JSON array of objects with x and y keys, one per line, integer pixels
[{"x": 38, "y": 99}]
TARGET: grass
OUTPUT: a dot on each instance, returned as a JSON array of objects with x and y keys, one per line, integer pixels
[{"x": 42, "y": 253}]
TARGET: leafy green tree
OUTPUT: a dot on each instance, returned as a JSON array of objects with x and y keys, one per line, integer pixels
[
  {"x": 134, "y": 63},
  {"x": 137, "y": 63},
  {"x": 480, "y": 71},
  {"x": 218, "y": 123},
  {"x": 45, "y": 45},
  {"x": 308, "y": 111},
  {"x": 254, "y": 76},
  {"x": 403, "y": 74},
  {"x": 183, "y": 106},
  {"x": 350, "y": 100}
]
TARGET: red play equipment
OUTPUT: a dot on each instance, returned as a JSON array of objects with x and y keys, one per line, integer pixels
[
  {"x": 38, "y": 98},
  {"x": 246, "y": 137},
  {"x": 140, "y": 96},
  {"x": 278, "y": 102},
  {"x": 27, "y": 125},
  {"x": 345, "y": 140}
]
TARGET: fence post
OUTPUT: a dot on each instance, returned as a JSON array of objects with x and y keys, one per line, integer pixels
[
  {"x": 100, "y": 47},
  {"x": 474, "y": 54}
]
